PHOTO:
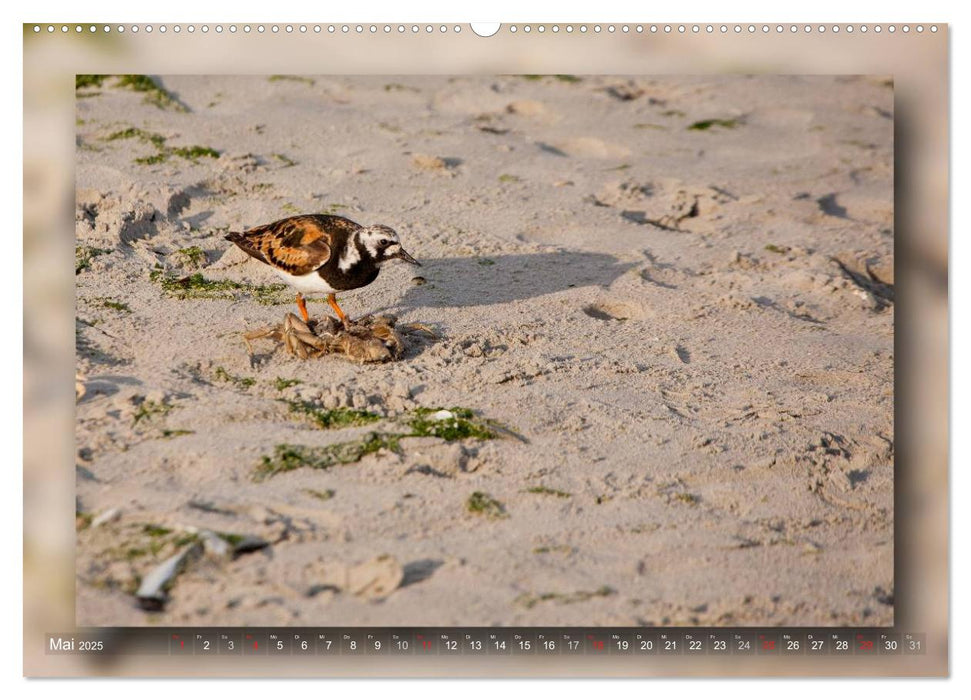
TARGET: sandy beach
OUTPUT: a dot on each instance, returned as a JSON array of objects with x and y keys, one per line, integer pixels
[{"x": 662, "y": 320}]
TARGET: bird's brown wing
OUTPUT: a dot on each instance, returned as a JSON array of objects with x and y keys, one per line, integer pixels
[{"x": 298, "y": 245}]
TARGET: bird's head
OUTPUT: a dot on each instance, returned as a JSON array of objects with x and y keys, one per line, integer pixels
[{"x": 382, "y": 244}]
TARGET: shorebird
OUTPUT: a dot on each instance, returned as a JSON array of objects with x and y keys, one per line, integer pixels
[{"x": 321, "y": 253}]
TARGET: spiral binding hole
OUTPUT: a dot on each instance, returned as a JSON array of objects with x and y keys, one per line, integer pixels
[{"x": 513, "y": 29}]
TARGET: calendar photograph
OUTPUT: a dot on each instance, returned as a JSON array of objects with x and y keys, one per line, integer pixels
[{"x": 484, "y": 350}]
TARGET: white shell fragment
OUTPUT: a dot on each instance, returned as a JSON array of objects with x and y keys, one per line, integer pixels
[
  {"x": 108, "y": 516},
  {"x": 151, "y": 594},
  {"x": 442, "y": 415}
]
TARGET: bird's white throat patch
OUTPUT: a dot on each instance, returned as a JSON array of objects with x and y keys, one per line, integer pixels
[
  {"x": 371, "y": 248},
  {"x": 350, "y": 256}
]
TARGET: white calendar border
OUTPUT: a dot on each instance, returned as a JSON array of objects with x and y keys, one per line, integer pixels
[{"x": 512, "y": 11}]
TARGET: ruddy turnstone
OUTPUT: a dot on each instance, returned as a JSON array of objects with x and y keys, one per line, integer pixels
[{"x": 320, "y": 253}]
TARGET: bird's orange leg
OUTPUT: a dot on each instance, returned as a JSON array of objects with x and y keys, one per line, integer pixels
[
  {"x": 303, "y": 307},
  {"x": 332, "y": 300}
]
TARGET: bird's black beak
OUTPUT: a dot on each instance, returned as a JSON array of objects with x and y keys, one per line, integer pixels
[{"x": 403, "y": 255}]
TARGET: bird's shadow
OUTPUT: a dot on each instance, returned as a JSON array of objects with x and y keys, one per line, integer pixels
[{"x": 499, "y": 279}]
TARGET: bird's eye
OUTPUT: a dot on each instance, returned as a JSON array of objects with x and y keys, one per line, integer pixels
[{"x": 384, "y": 242}]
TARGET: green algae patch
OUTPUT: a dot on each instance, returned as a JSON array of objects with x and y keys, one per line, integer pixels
[
  {"x": 481, "y": 503},
  {"x": 446, "y": 424},
  {"x": 292, "y": 78},
  {"x": 196, "y": 286},
  {"x": 190, "y": 153},
  {"x": 88, "y": 81},
  {"x": 462, "y": 423},
  {"x": 154, "y": 93},
  {"x": 82, "y": 520},
  {"x": 148, "y": 410},
  {"x": 162, "y": 151},
  {"x": 286, "y": 457},
  {"x": 151, "y": 137},
  {"x": 222, "y": 375},
  {"x": 84, "y": 254},
  {"x": 531, "y": 600},
  {"x": 546, "y": 491},
  {"x": 109, "y": 303},
  {"x": 192, "y": 257},
  {"x": 194, "y": 153},
  {"x": 287, "y": 162},
  {"x": 706, "y": 124},
  {"x": 328, "y": 418},
  {"x": 178, "y": 432},
  {"x": 156, "y": 530},
  {"x": 561, "y": 77}
]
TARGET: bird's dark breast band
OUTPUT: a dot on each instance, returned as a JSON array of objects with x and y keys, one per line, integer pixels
[{"x": 358, "y": 275}]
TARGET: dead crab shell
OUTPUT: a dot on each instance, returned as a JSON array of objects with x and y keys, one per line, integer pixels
[{"x": 370, "y": 339}]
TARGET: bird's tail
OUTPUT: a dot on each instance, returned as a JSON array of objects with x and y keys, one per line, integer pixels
[{"x": 244, "y": 244}]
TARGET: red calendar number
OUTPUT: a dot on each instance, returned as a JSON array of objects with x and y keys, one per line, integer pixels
[{"x": 768, "y": 645}]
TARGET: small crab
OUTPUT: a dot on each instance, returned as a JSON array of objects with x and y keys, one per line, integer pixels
[{"x": 369, "y": 339}]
